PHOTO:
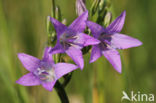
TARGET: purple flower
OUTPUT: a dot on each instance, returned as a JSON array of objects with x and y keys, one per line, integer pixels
[
  {"x": 44, "y": 71},
  {"x": 111, "y": 40},
  {"x": 71, "y": 40}
]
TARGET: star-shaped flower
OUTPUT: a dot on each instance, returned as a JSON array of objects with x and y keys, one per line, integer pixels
[
  {"x": 71, "y": 40},
  {"x": 111, "y": 40},
  {"x": 43, "y": 72}
]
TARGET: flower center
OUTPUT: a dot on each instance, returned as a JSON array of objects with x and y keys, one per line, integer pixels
[
  {"x": 105, "y": 40},
  {"x": 67, "y": 40},
  {"x": 45, "y": 73}
]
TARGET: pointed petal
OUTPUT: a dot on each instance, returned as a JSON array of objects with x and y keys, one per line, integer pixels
[
  {"x": 28, "y": 80},
  {"x": 49, "y": 85},
  {"x": 64, "y": 68},
  {"x": 57, "y": 49},
  {"x": 76, "y": 55},
  {"x": 121, "y": 41},
  {"x": 113, "y": 57},
  {"x": 96, "y": 29},
  {"x": 59, "y": 27},
  {"x": 90, "y": 40},
  {"x": 85, "y": 40},
  {"x": 117, "y": 25},
  {"x": 29, "y": 62},
  {"x": 47, "y": 56},
  {"x": 96, "y": 53},
  {"x": 80, "y": 23}
]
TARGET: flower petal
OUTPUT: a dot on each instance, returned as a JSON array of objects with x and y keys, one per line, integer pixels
[
  {"x": 121, "y": 41},
  {"x": 96, "y": 29},
  {"x": 117, "y": 25},
  {"x": 90, "y": 40},
  {"x": 85, "y": 40},
  {"x": 59, "y": 27},
  {"x": 64, "y": 68},
  {"x": 29, "y": 62},
  {"x": 57, "y": 49},
  {"x": 28, "y": 80},
  {"x": 49, "y": 85},
  {"x": 47, "y": 56},
  {"x": 96, "y": 53},
  {"x": 80, "y": 23},
  {"x": 113, "y": 57},
  {"x": 76, "y": 55}
]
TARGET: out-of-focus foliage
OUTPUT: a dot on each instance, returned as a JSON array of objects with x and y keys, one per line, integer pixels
[{"x": 23, "y": 29}]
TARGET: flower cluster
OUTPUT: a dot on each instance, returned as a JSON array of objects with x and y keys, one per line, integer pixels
[
  {"x": 105, "y": 41},
  {"x": 71, "y": 40}
]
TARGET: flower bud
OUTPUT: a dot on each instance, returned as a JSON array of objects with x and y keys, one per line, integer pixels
[
  {"x": 58, "y": 13},
  {"x": 51, "y": 32},
  {"x": 64, "y": 21},
  {"x": 108, "y": 18},
  {"x": 94, "y": 7},
  {"x": 80, "y": 7},
  {"x": 49, "y": 26}
]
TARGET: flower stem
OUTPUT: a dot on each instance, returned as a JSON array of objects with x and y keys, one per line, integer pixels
[
  {"x": 61, "y": 92},
  {"x": 67, "y": 79}
]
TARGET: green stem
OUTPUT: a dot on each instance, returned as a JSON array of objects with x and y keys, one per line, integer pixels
[
  {"x": 61, "y": 92},
  {"x": 67, "y": 79}
]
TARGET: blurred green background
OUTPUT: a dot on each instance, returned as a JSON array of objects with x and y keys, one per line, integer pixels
[{"x": 23, "y": 29}]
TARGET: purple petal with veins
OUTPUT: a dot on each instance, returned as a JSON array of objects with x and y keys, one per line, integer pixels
[
  {"x": 72, "y": 40},
  {"x": 110, "y": 41},
  {"x": 43, "y": 71},
  {"x": 117, "y": 25}
]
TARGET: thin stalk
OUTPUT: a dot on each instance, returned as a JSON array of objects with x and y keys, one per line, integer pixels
[
  {"x": 61, "y": 92},
  {"x": 67, "y": 79},
  {"x": 53, "y": 8}
]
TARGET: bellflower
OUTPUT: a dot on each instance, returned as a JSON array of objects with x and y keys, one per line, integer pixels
[
  {"x": 71, "y": 40},
  {"x": 43, "y": 72},
  {"x": 111, "y": 40}
]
